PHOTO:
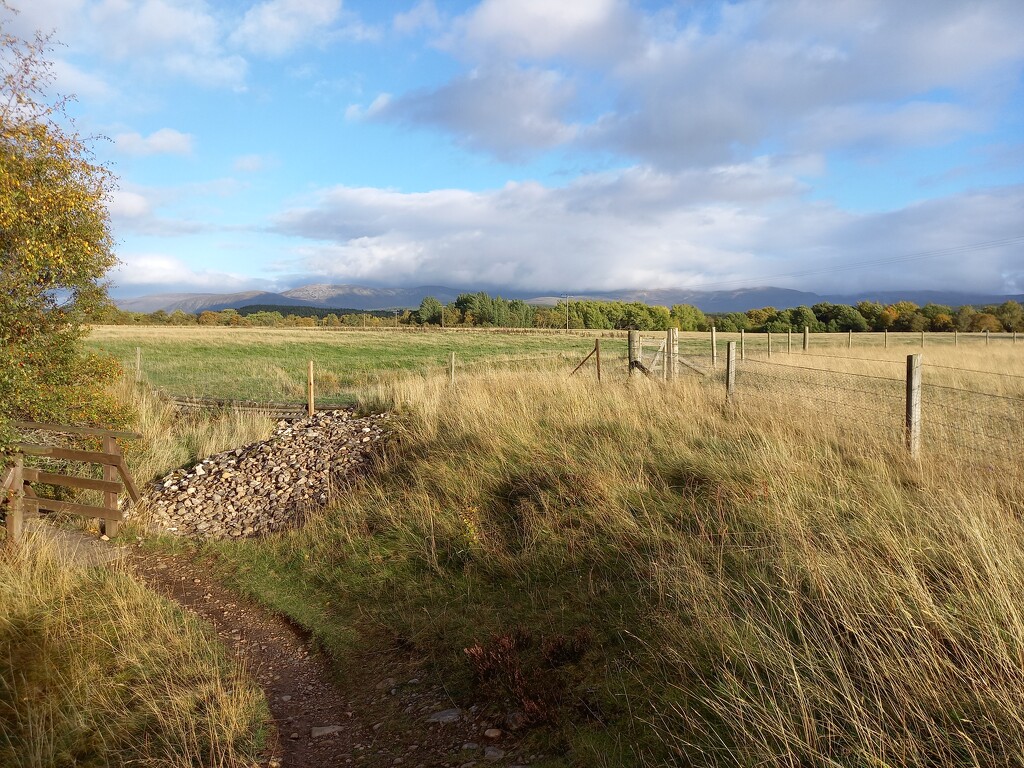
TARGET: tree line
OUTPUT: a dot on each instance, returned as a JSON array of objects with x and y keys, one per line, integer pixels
[{"x": 480, "y": 309}]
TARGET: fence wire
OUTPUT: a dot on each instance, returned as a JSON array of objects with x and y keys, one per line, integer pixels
[{"x": 855, "y": 399}]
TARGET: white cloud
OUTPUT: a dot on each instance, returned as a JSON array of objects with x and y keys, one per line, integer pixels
[
  {"x": 423, "y": 15},
  {"x": 705, "y": 84},
  {"x": 165, "y": 141},
  {"x": 70, "y": 79},
  {"x": 276, "y": 27},
  {"x": 169, "y": 273},
  {"x": 540, "y": 29},
  {"x": 251, "y": 163},
  {"x": 377, "y": 106},
  {"x": 507, "y": 111},
  {"x": 740, "y": 225}
]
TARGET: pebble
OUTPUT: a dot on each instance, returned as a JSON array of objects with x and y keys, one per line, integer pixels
[
  {"x": 493, "y": 753},
  {"x": 445, "y": 716},
  {"x": 264, "y": 487},
  {"x": 324, "y": 730},
  {"x": 493, "y": 733}
]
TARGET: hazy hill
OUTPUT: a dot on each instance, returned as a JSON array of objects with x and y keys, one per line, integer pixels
[{"x": 360, "y": 298}]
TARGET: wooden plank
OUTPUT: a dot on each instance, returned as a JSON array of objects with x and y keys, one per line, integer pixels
[
  {"x": 70, "y": 481},
  {"x": 32, "y": 449},
  {"x": 129, "y": 481},
  {"x": 32, "y": 425},
  {"x": 8, "y": 479},
  {"x": 83, "y": 510},
  {"x": 89, "y": 457},
  {"x": 310, "y": 394}
]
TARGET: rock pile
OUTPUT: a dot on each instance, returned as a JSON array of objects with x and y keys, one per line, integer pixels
[{"x": 268, "y": 485}]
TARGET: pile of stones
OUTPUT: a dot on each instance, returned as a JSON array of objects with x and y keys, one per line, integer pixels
[{"x": 268, "y": 485}]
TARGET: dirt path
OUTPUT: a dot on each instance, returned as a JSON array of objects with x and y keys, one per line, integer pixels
[{"x": 386, "y": 713}]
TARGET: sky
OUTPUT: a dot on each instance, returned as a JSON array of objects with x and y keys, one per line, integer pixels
[{"x": 553, "y": 146}]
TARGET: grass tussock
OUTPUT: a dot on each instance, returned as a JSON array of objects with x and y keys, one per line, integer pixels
[
  {"x": 96, "y": 671},
  {"x": 172, "y": 439},
  {"x": 664, "y": 580}
]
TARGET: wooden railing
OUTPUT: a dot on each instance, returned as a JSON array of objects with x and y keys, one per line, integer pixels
[{"x": 16, "y": 484}]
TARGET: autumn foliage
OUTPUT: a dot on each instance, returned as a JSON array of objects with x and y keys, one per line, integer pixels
[{"x": 55, "y": 247}]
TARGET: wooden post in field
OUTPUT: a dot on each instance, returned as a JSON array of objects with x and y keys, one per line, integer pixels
[
  {"x": 16, "y": 504},
  {"x": 807, "y": 338},
  {"x": 956, "y": 340},
  {"x": 597, "y": 354},
  {"x": 913, "y": 417},
  {"x": 743, "y": 345},
  {"x": 849, "y": 341},
  {"x": 310, "y": 405},
  {"x": 922, "y": 339},
  {"x": 673, "y": 345},
  {"x": 633, "y": 350},
  {"x": 730, "y": 370},
  {"x": 451, "y": 368},
  {"x": 1014, "y": 337},
  {"x": 789, "y": 342},
  {"x": 769, "y": 343},
  {"x": 885, "y": 338},
  {"x": 714, "y": 347},
  {"x": 986, "y": 337},
  {"x": 138, "y": 365},
  {"x": 109, "y": 527}
]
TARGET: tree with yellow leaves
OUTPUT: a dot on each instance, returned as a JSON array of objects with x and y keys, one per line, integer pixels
[{"x": 55, "y": 247}]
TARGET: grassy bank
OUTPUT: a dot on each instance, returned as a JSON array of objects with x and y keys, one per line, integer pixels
[
  {"x": 98, "y": 671},
  {"x": 648, "y": 577}
]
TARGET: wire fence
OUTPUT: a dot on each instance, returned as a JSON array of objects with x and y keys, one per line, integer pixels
[{"x": 973, "y": 411}]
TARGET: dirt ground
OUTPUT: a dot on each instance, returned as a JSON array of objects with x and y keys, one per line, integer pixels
[{"x": 388, "y": 712}]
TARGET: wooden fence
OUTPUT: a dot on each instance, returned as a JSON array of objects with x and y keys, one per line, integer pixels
[{"x": 18, "y": 482}]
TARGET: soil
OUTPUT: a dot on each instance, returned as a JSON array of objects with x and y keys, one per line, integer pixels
[{"x": 380, "y": 712}]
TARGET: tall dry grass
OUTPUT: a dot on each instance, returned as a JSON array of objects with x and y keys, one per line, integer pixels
[
  {"x": 171, "y": 439},
  {"x": 96, "y": 670},
  {"x": 759, "y": 585}
]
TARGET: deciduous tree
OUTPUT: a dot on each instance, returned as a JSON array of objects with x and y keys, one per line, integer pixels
[{"x": 55, "y": 247}]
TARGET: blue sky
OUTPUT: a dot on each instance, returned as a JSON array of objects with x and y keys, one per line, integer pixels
[{"x": 544, "y": 146}]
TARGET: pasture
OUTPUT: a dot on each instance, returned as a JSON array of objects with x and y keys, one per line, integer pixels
[{"x": 647, "y": 572}]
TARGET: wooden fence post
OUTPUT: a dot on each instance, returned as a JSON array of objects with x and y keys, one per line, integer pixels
[
  {"x": 769, "y": 343},
  {"x": 922, "y": 339},
  {"x": 109, "y": 527},
  {"x": 16, "y": 504},
  {"x": 673, "y": 347},
  {"x": 730, "y": 370},
  {"x": 1014, "y": 337},
  {"x": 956, "y": 340},
  {"x": 807, "y": 338},
  {"x": 986, "y": 337},
  {"x": 633, "y": 346},
  {"x": 849, "y": 342},
  {"x": 714, "y": 347},
  {"x": 789, "y": 342},
  {"x": 310, "y": 405},
  {"x": 743, "y": 345},
  {"x": 885, "y": 338},
  {"x": 138, "y": 365},
  {"x": 913, "y": 415},
  {"x": 597, "y": 353},
  {"x": 451, "y": 369}
]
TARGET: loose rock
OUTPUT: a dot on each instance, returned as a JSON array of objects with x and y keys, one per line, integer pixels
[{"x": 269, "y": 485}]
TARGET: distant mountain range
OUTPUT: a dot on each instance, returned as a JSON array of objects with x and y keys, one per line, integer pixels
[{"x": 366, "y": 298}]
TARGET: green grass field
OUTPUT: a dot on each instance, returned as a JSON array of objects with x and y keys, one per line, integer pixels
[
  {"x": 648, "y": 575},
  {"x": 270, "y": 365}
]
